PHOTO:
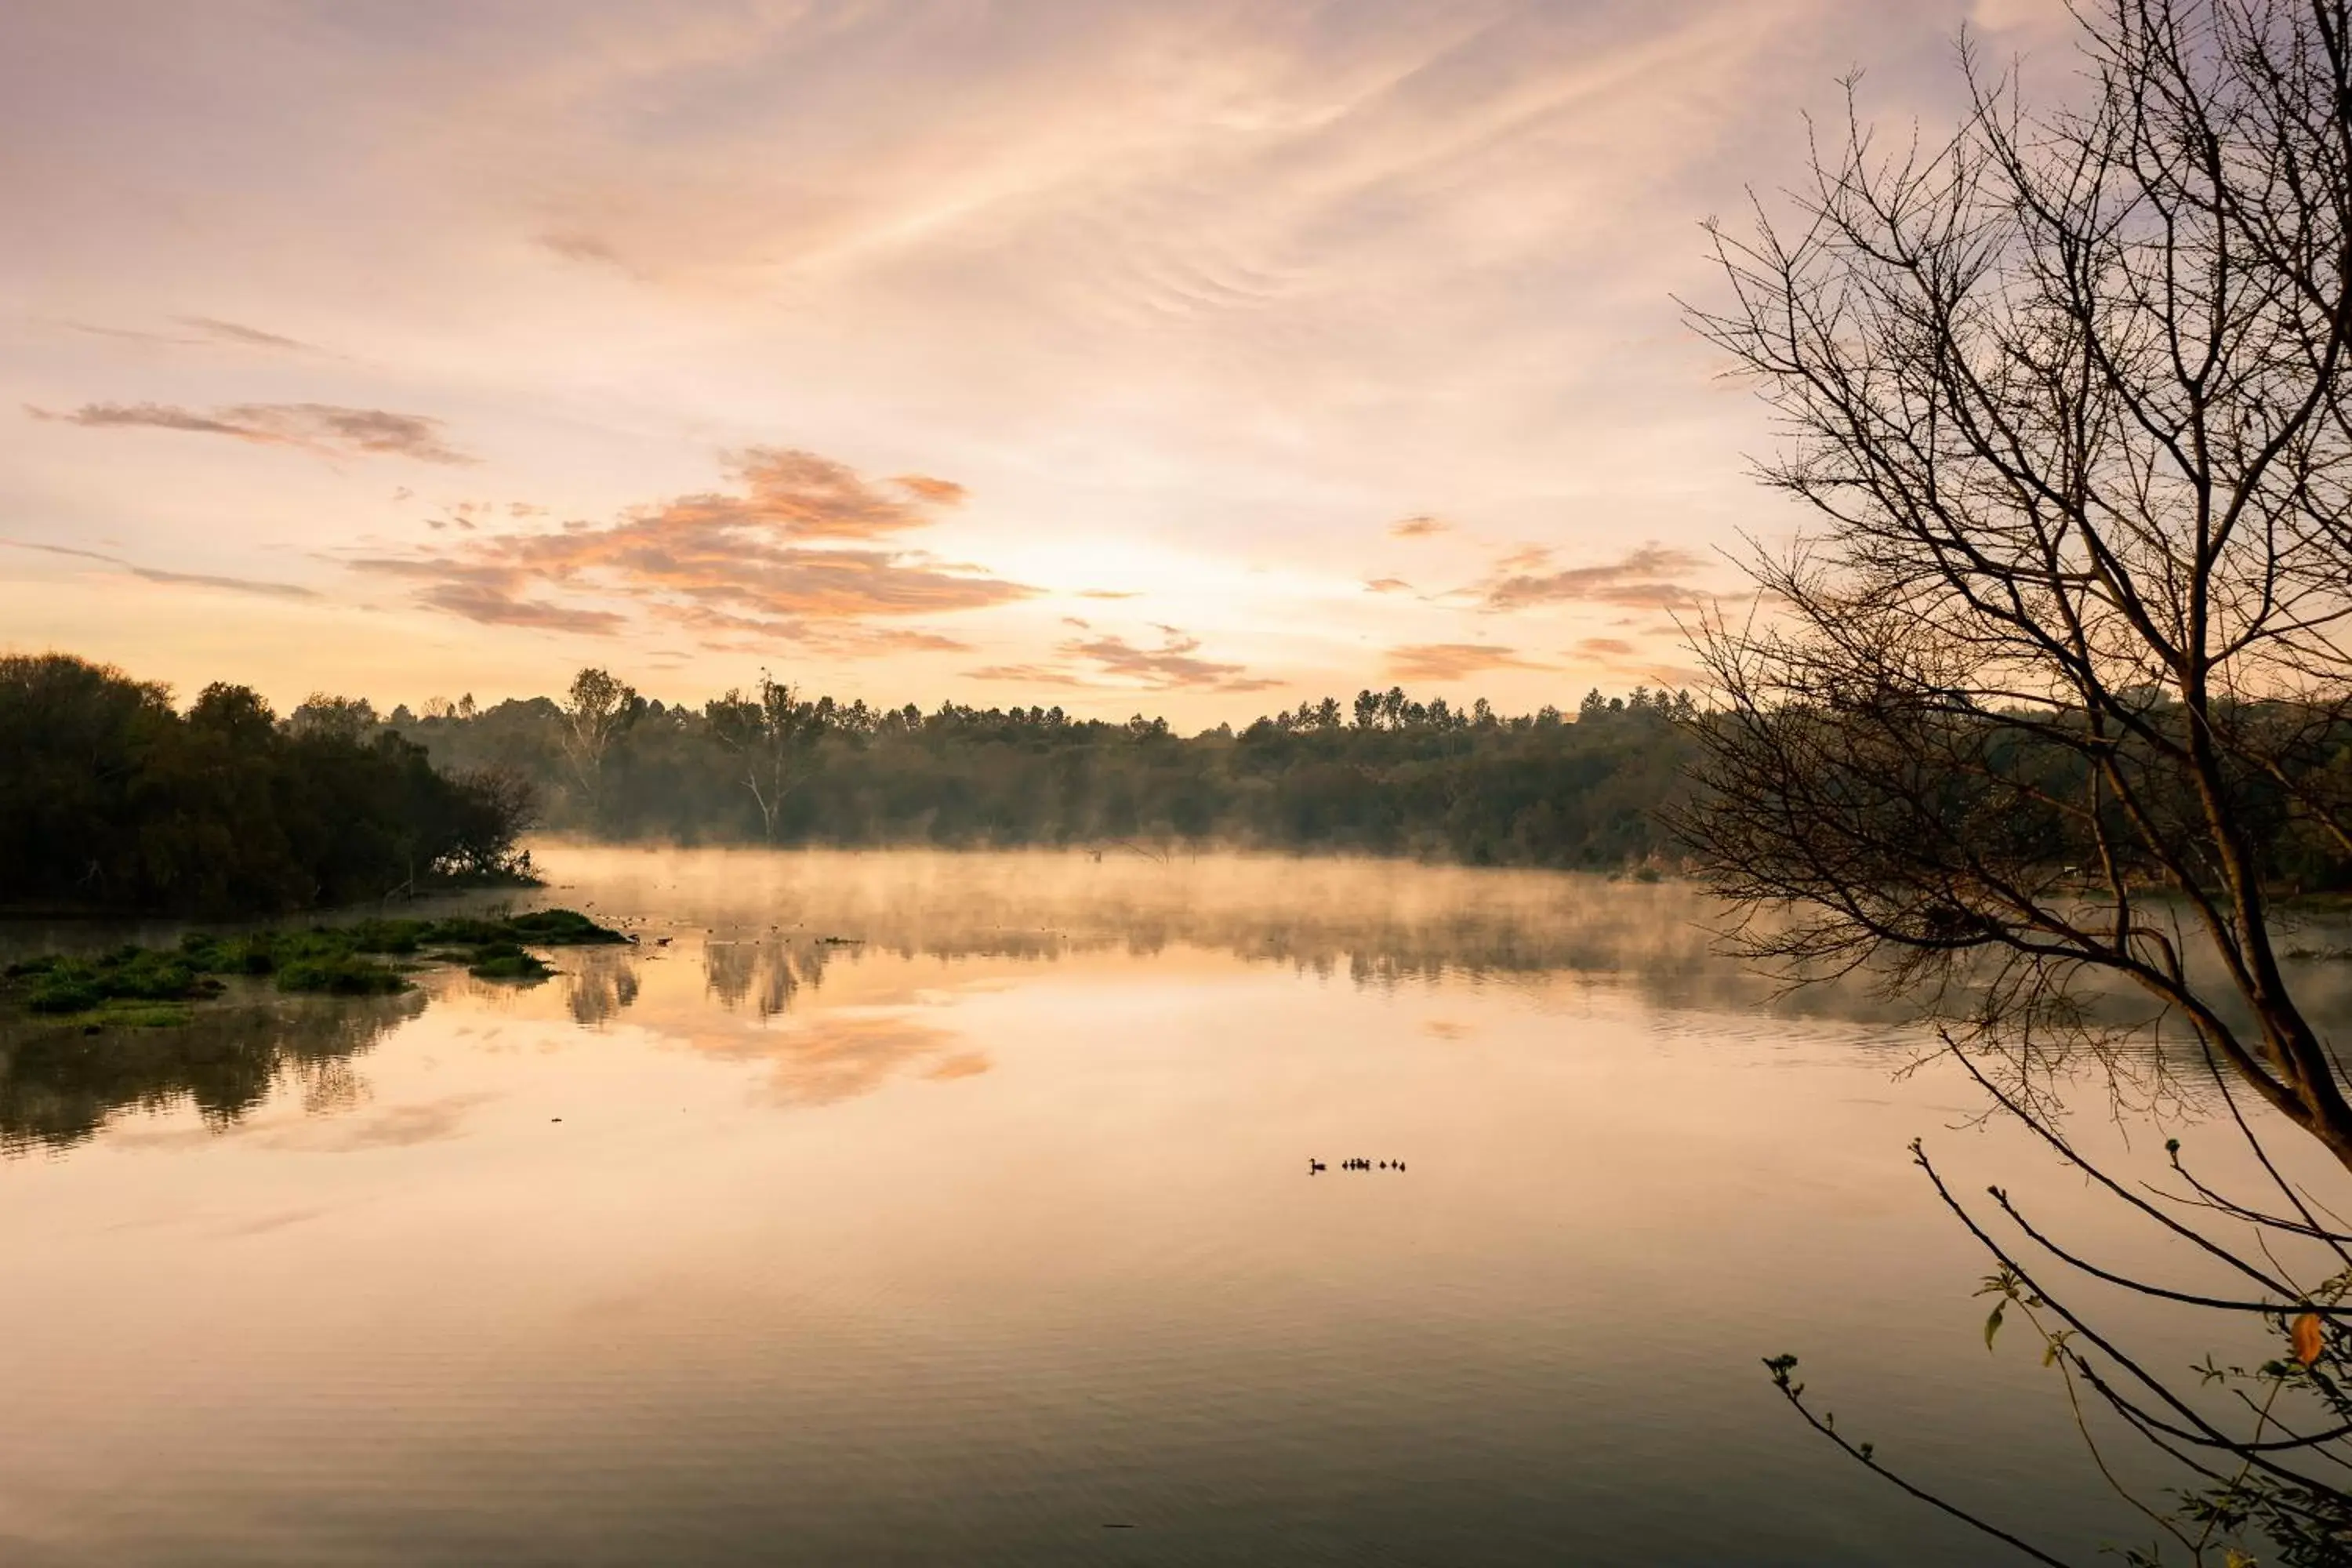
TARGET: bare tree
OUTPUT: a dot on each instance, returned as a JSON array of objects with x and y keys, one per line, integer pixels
[
  {"x": 774, "y": 735},
  {"x": 596, "y": 710},
  {"x": 2057, "y": 696}
]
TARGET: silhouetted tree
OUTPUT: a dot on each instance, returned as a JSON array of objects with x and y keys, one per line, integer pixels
[
  {"x": 2063, "y": 669},
  {"x": 109, "y": 799}
]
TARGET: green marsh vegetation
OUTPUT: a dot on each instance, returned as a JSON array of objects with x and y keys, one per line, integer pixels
[{"x": 133, "y": 985}]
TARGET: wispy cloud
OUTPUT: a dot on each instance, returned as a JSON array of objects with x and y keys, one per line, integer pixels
[
  {"x": 730, "y": 567},
  {"x": 964, "y": 1064},
  {"x": 939, "y": 492},
  {"x": 1109, "y": 662},
  {"x": 314, "y": 426},
  {"x": 1387, "y": 585},
  {"x": 129, "y": 334},
  {"x": 250, "y": 337},
  {"x": 1419, "y": 527},
  {"x": 184, "y": 579},
  {"x": 576, "y": 244},
  {"x": 199, "y": 332},
  {"x": 1453, "y": 660},
  {"x": 725, "y": 631},
  {"x": 1026, "y": 675},
  {"x": 1644, "y": 578},
  {"x": 494, "y": 603},
  {"x": 1175, "y": 664}
]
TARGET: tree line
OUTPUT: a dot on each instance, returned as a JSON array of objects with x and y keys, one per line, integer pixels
[
  {"x": 1387, "y": 774},
  {"x": 112, "y": 798}
]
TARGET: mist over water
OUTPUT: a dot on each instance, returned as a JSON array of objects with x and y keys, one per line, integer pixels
[{"x": 911, "y": 1208}]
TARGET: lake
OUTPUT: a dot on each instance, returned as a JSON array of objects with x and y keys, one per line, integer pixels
[{"x": 911, "y": 1208}]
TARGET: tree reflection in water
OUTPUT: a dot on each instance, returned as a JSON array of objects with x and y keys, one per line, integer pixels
[
  {"x": 767, "y": 973},
  {"x": 599, "y": 984},
  {"x": 58, "y": 1087},
  {"x": 762, "y": 932}
]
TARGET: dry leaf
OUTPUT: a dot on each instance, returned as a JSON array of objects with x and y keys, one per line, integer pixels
[{"x": 2308, "y": 1340}]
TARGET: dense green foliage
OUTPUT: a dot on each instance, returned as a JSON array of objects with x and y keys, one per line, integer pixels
[
  {"x": 1388, "y": 776},
  {"x": 111, "y": 799},
  {"x": 341, "y": 961}
]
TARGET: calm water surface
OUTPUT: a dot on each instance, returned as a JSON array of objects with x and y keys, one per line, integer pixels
[{"x": 917, "y": 1208}]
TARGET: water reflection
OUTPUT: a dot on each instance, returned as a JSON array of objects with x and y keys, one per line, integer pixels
[
  {"x": 773, "y": 923},
  {"x": 59, "y": 1086},
  {"x": 736, "y": 947},
  {"x": 598, "y": 983},
  {"x": 765, "y": 973},
  {"x": 829, "y": 1057},
  {"x": 911, "y": 1209}
]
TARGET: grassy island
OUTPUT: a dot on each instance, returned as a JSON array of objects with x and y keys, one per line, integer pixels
[{"x": 155, "y": 987}]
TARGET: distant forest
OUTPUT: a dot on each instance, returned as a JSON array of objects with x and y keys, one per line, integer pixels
[
  {"x": 1384, "y": 774},
  {"x": 112, "y": 797}
]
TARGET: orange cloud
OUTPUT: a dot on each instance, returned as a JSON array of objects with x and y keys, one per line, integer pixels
[
  {"x": 939, "y": 492},
  {"x": 1420, "y": 527},
  {"x": 1641, "y": 580},
  {"x": 1387, "y": 585},
  {"x": 1453, "y": 661},
  {"x": 1169, "y": 666},
  {"x": 1608, "y": 648},
  {"x": 314, "y": 426},
  {"x": 494, "y": 606},
  {"x": 1174, "y": 665},
  {"x": 800, "y": 495},
  {"x": 1026, "y": 675},
  {"x": 968, "y": 1064},
  {"x": 732, "y": 566},
  {"x": 750, "y": 633}
]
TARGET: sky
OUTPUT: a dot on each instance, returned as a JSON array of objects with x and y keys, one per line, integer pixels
[{"x": 1190, "y": 359}]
